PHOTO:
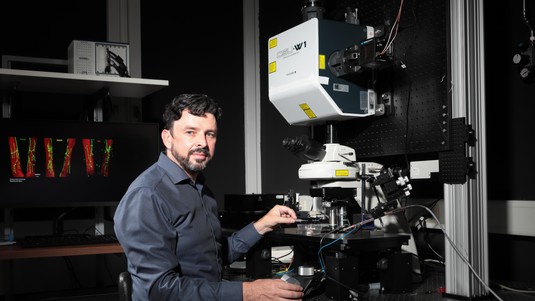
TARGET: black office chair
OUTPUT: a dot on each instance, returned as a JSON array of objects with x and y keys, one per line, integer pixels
[{"x": 125, "y": 286}]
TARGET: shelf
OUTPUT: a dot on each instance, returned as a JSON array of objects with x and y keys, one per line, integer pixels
[
  {"x": 69, "y": 83},
  {"x": 16, "y": 252}
]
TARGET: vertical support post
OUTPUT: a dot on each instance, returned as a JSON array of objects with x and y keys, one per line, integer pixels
[
  {"x": 6, "y": 106},
  {"x": 251, "y": 65},
  {"x": 466, "y": 204},
  {"x": 98, "y": 116},
  {"x": 8, "y": 224},
  {"x": 99, "y": 220},
  {"x": 7, "y": 265},
  {"x": 124, "y": 26}
]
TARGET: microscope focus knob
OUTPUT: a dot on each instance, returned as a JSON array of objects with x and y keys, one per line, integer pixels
[
  {"x": 520, "y": 59},
  {"x": 526, "y": 72}
]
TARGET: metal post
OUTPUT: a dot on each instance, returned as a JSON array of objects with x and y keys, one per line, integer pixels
[{"x": 466, "y": 204}]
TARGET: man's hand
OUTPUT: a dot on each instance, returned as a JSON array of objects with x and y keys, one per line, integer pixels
[
  {"x": 277, "y": 215},
  {"x": 271, "y": 289}
]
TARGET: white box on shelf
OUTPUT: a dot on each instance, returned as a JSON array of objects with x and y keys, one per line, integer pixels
[{"x": 99, "y": 58}]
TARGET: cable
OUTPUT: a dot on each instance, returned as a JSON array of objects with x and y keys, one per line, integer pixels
[
  {"x": 278, "y": 259},
  {"x": 526, "y": 21},
  {"x": 350, "y": 229},
  {"x": 357, "y": 226},
  {"x": 58, "y": 223},
  {"x": 115, "y": 61},
  {"x": 456, "y": 249},
  {"x": 354, "y": 292},
  {"x": 431, "y": 206},
  {"x": 286, "y": 268},
  {"x": 435, "y": 252},
  {"x": 285, "y": 271},
  {"x": 290, "y": 252},
  {"x": 394, "y": 30},
  {"x": 504, "y": 287},
  {"x": 320, "y": 256},
  {"x": 70, "y": 267},
  {"x": 434, "y": 260}
]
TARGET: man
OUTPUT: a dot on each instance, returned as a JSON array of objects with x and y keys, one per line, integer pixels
[{"x": 167, "y": 221}]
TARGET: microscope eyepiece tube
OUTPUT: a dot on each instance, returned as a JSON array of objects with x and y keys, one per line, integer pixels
[{"x": 305, "y": 148}]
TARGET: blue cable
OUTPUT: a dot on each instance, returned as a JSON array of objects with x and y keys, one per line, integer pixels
[{"x": 357, "y": 226}]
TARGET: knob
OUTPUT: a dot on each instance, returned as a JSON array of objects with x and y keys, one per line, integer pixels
[
  {"x": 525, "y": 72},
  {"x": 520, "y": 59}
]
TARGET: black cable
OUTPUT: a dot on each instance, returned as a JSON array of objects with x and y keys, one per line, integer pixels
[
  {"x": 278, "y": 259},
  {"x": 430, "y": 206},
  {"x": 115, "y": 61},
  {"x": 70, "y": 267},
  {"x": 58, "y": 223},
  {"x": 113, "y": 279}
]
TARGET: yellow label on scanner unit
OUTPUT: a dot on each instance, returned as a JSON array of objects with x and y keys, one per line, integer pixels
[
  {"x": 272, "y": 43},
  {"x": 272, "y": 67},
  {"x": 322, "y": 62},
  {"x": 341, "y": 173},
  {"x": 308, "y": 111}
]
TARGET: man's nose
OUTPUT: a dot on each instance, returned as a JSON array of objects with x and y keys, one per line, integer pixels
[{"x": 201, "y": 140}]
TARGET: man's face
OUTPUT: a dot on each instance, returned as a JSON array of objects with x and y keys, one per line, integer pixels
[{"x": 191, "y": 142}]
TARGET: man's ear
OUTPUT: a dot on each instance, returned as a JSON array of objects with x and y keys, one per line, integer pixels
[{"x": 167, "y": 138}]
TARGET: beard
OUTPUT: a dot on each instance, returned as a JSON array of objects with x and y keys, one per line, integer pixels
[{"x": 189, "y": 165}]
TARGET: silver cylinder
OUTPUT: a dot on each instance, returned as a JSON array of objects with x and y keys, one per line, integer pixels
[
  {"x": 333, "y": 216},
  {"x": 342, "y": 216}
]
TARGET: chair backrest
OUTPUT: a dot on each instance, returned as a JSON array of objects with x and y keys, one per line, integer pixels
[{"x": 125, "y": 286}]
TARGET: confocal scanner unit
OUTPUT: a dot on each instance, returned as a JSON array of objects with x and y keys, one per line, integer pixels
[{"x": 314, "y": 71}]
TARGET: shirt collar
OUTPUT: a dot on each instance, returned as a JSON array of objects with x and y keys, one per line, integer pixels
[{"x": 175, "y": 172}]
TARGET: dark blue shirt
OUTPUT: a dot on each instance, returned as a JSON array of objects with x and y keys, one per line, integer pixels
[{"x": 169, "y": 229}]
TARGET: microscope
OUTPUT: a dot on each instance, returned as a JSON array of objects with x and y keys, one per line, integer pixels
[
  {"x": 342, "y": 189},
  {"x": 323, "y": 72},
  {"x": 333, "y": 173}
]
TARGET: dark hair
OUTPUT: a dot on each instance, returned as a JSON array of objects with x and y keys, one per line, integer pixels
[{"x": 196, "y": 104}]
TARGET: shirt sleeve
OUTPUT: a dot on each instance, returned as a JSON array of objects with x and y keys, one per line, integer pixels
[
  {"x": 148, "y": 240},
  {"x": 241, "y": 241}
]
